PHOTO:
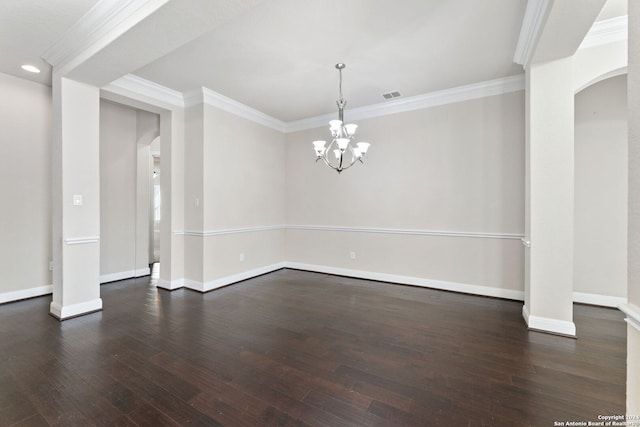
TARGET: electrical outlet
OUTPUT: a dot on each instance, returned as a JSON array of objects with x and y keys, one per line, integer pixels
[
  {"x": 242, "y": 257},
  {"x": 352, "y": 254},
  {"x": 50, "y": 265}
]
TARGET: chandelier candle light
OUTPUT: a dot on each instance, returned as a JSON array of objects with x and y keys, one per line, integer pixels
[{"x": 342, "y": 144}]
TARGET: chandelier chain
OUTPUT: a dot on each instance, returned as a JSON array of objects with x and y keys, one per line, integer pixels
[{"x": 341, "y": 97}]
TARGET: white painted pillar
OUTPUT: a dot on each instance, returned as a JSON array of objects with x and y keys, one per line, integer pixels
[
  {"x": 549, "y": 192},
  {"x": 76, "y": 199},
  {"x": 172, "y": 125},
  {"x": 633, "y": 308},
  {"x": 194, "y": 202}
]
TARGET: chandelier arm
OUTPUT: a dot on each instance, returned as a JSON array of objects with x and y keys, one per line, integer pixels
[
  {"x": 324, "y": 159},
  {"x": 348, "y": 166},
  {"x": 353, "y": 160},
  {"x": 326, "y": 153}
]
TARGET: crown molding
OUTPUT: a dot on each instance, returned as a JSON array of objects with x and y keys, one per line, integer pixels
[
  {"x": 534, "y": 16},
  {"x": 151, "y": 89},
  {"x": 606, "y": 31},
  {"x": 206, "y": 96},
  {"x": 104, "y": 18},
  {"x": 215, "y": 99},
  {"x": 441, "y": 97}
]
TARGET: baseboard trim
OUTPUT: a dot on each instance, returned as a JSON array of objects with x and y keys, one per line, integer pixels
[
  {"x": 170, "y": 285},
  {"x": 228, "y": 280},
  {"x": 525, "y": 314},
  {"x": 74, "y": 310},
  {"x": 25, "y": 294},
  {"x": 600, "y": 300},
  {"x": 112, "y": 277},
  {"x": 486, "y": 291},
  {"x": 633, "y": 315},
  {"x": 545, "y": 324}
]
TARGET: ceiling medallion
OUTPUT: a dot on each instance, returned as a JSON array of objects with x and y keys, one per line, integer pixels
[{"x": 342, "y": 152}]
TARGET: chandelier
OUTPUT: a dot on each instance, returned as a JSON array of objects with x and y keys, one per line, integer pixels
[{"x": 342, "y": 152}]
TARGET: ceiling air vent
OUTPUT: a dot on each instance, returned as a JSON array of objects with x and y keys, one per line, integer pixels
[{"x": 391, "y": 95}]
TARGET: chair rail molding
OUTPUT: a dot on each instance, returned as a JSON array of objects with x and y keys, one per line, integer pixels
[{"x": 415, "y": 232}]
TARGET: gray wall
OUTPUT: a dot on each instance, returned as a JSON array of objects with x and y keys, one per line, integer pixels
[
  {"x": 456, "y": 169},
  {"x": 25, "y": 187},
  {"x": 601, "y": 176},
  {"x": 124, "y": 233}
]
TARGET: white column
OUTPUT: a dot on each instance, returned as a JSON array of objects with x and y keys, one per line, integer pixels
[
  {"x": 194, "y": 202},
  {"x": 76, "y": 199},
  {"x": 172, "y": 210},
  {"x": 633, "y": 308},
  {"x": 549, "y": 192}
]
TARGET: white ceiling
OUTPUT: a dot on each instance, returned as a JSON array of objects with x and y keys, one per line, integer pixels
[
  {"x": 278, "y": 56},
  {"x": 29, "y": 27},
  {"x": 613, "y": 9}
]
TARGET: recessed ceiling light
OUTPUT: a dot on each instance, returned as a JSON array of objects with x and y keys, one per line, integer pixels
[{"x": 30, "y": 68}]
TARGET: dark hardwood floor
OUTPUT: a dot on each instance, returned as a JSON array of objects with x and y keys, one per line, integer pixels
[{"x": 294, "y": 348}]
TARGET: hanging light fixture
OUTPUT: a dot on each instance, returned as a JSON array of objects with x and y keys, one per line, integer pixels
[{"x": 342, "y": 152}]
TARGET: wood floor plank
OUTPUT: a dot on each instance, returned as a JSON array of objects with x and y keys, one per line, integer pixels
[
  {"x": 35, "y": 420},
  {"x": 294, "y": 348}
]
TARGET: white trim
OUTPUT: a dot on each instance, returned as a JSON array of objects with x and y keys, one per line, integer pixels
[
  {"x": 74, "y": 310},
  {"x": 170, "y": 286},
  {"x": 596, "y": 299},
  {"x": 409, "y": 280},
  {"x": 99, "y": 22},
  {"x": 112, "y": 277},
  {"x": 525, "y": 314},
  {"x": 414, "y": 232},
  {"x": 228, "y": 280},
  {"x": 614, "y": 73},
  {"x": 478, "y": 90},
  {"x": 220, "y": 232},
  {"x": 633, "y": 315},
  {"x": 145, "y": 87},
  {"x": 545, "y": 324},
  {"x": 441, "y": 97},
  {"x": 25, "y": 293},
  {"x": 215, "y": 99},
  {"x": 194, "y": 285},
  {"x": 606, "y": 31},
  {"x": 534, "y": 16},
  {"x": 408, "y": 231},
  {"x": 81, "y": 240}
]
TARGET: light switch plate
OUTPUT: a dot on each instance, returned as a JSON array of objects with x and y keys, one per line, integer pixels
[{"x": 77, "y": 200}]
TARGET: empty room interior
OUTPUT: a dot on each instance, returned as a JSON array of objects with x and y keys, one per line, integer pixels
[{"x": 320, "y": 213}]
